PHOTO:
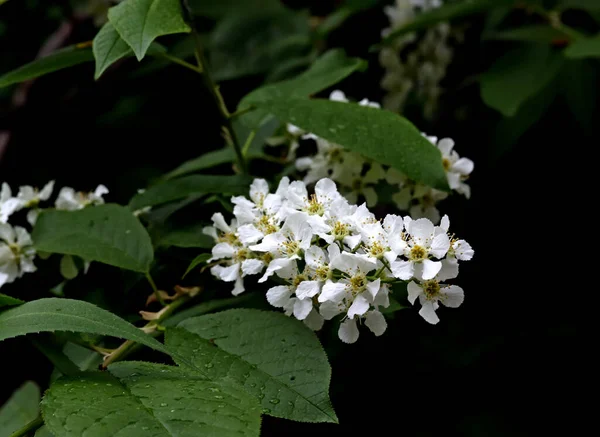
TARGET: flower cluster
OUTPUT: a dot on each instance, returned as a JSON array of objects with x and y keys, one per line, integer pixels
[
  {"x": 16, "y": 248},
  {"x": 331, "y": 257},
  {"x": 358, "y": 176},
  {"x": 415, "y": 64}
]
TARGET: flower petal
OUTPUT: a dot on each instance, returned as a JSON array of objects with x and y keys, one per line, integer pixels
[
  {"x": 463, "y": 250},
  {"x": 464, "y": 166},
  {"x": 220, "y": 222},
  {"x": 428, "y": 313},
  {"x": 428, "y": 269},
  {"x": 279, "y": 296},
  {"x": 403, "y": 270},
  {"x": 248, "y": 234},
  {"x": 315, "y": 257},
  {"x": 440, "y": 245},
  {"x": 453, "y": 296},
  {"x": 230, "y": 273},
  {"x": 414, "y": 290},
  {"x": 259, "y": 190},
  {"x": 421, "y": 231},
  {"x": 275, "y": 265},
  {"x": 348, "y": 331},
  {"x": 326, "y": 191},
  {"x": 308, "y": 289},
  {"x": 252, "y": 266},
  {"x": 314, "y": 320},
  {"x": 302, "y": 308},
  {"x": 222, "y": 250},
  {"x": 373, "y": 287},
  {"x": 449, "y": 270},
  {"x": 332, "y": 291},
  {"x": 359, "y": 306},
  {"x": 239, "y": 286},
  {"x": 376, "y": 322},
  {"x": 330, "y": 309}
]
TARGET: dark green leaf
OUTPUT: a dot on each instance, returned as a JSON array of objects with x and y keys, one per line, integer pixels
[
  {"x": 328, "y": 70},
  {"x": 22, "y": 407},
  {"x": 193, "y": 185},
  {"x": 274, "y": 357},
  {"x": 58, "y": 60},
  {"x": 7, "y": 301},
  {"x": 375, "y": 133},
  {"x": 584, "y": 48},
  {"x": 140, "y": 22},
  {"x": 200, "y": 259},
  {"x": 447, "y": 12},
  {"x": 54, "y": 314},
  {"x": 580, "y": 89},
  {"x": 186, "y": 237},
  {"x": 536, "y": 33},
  {"x": 110, "y": 234},
  {"x": 519, "y": 75},
  {"x": 108, "y": 48},
  {"x": 144, "y": 399},
  {"x": 246, "y": 300}
]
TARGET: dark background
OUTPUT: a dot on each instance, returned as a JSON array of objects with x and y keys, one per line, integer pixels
[{"x": 505, "y": 363}]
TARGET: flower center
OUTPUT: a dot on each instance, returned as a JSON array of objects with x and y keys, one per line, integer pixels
[
  {"x": 314, "y": 206},
  {"x": 446, "y": 163},
  {"x": 267, "y": 257},
  {"x": 15, "y": 249},
  {"x": 377, "y": 250},
  {"x": 241, "y": 255},
  {"x": 298, "y": 279},
  {"x": 228, "y": 237},
  {"x": 431, "y": 289},
  {"x": 358, "y": 283},
  {"x": 417, "y": 253},
  {"x": 291, "y": 248},
  {"x": 266, "y": 226},
  {"x": 340, "y": 230},
  {"x": 322, "y": 273}
]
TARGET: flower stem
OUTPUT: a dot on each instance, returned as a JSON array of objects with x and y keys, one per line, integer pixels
[
  {"x": 213, "y": 89},
  {"x": 155, "y": 289},
  {"x": 29, "y": 428},
  {"x": 181, "y": 62},
  {"x": 127, "y": 347}
]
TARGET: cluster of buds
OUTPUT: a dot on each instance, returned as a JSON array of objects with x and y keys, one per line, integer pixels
[
  {"x": 16, "y": 248},
  {"x": 330, "y": 257}
]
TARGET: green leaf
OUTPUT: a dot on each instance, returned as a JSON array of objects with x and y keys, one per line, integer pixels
[
  {"x": 519, "y": 75},
  {"x": 54, "y": 314},
  {"x": 375, "y": 133},
  {"x": 579, "y": 87},
  {"x": 139, "y": 22},
  {"x": 67, "y": 57},
  {"x": 535, "y": 33},
  {"x": 143, "y": 399},
  {"x": 200, "y": 259},
  {"x": 584, "y": 48},
  {"x": 22, "y": 407},
  {"x": 108, "y": 48},
  {"x": 328, "y": 70},
  {"x": 43, "y": 432},
  {"x": 247, "y": 40},
  {"x": 186, "y": 237},
  {"x": 447, "y": 12},
  {"x": 181, "y": 188},
  {"x": 7, "y": 301},
  {"x": 109, "y": 233},
  {"x": 274, "y": 357}
]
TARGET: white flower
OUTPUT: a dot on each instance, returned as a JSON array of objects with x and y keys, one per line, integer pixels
[
  {"x": 287, "y": 244},
  {"x": 282, "y": 296},
  {"x": 359, "y": 183},
  {"x": 457, "y": 169},
  {"x": 238, "y": 259},
  {"x": 70, "y": 200},
  {"x": 8, "y": 204},
  {"x": 28, "y": 197},
  {"x": 459, "y": 249},
  {"x": 431, "y": 293},
  {"x": 317, "y": 270},
  {"x": 418, "y": 245},
  {"x": 16, "y": 253}
]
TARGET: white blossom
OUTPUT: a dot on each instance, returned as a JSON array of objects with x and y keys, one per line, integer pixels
[
  {"x": 457, "y": 169},
  {"x": 16, "y": 253},
  {"x": 27, "y": 197},
  {"x": 70, "y": 200}
]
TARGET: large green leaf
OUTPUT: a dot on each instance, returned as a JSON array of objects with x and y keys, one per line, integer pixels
[
  {"x": 109, "y": 233},
  {"x": 22, "y": 407},
  {"x": 584, "y": 48},
  {"x": 181, "y": 188},
  {"x": 191, "y": 236},
  {"x": 108, "y": 48},
  {"x": 139, "y": 22},
  {"x": 519, "y": 75},
  {"x": 328, "y": 70},
  {"x": 54, "y": 314},
  {"x": 274, "y": 357},
  {"x": 143, "y": 399},
  {"x": 67, "y": 57},
  {"x": 447, "y": 12},
  {"x": 375, "y": 133},
  {"x": 7, "y": 301},
  {"x": 247, "y": 40},
  {"x": 541, "y": 33}
]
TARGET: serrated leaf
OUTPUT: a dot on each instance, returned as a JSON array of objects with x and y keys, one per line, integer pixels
[
  {"x": 447, "y": 12},
  {"x": 584, "y": 48},
  {"x": 8, "y": 301},
  {"x": 328, "y": 70},
  {"x": 375, "y": 133},
  {"x": 193, "y": 185},
  {"x": 140, "y": 22},
  {"x": 274, "y": 357},
  {"x": 54, "y": 314},
  {"x": 518, "y": 76},
  {"x": 22, "y": 407},
  {"x": 143, "y": 399},
  {"x": 200, "y": 259},
  {"x": 535, "y": 33},
  {"x": 186, "y": 237},
  {"x": 109, "y": 233},
  {"x": 64, "y": 58}
]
